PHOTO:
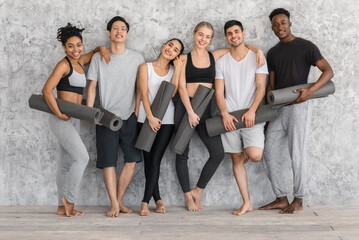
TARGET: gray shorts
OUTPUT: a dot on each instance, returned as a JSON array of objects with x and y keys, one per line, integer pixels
[{"x": 236, "y": 141}]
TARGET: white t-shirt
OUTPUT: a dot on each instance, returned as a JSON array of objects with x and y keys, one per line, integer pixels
[
  {"x": 154, "y": 83},
  {"x": 239, "y": 79},
  {"x": 116, "y": 81}
]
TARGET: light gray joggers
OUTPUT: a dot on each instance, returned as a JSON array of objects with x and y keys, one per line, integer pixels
[
  {"x": 73, "y": 157},
  {"x": 288, "y": 132}
]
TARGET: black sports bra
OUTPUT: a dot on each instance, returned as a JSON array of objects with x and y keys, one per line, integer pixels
[
  {"x": 203, "y": 75},
  {"x": 73, "y": 81}
]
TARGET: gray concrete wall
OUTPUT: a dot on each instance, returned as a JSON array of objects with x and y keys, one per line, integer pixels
[{"x": 29, "y": 51}]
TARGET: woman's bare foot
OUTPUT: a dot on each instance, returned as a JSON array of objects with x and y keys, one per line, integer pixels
[
  {"x": 197, "y": 196},
  {"x": 144, "y": 209},
  {"x": 246, "y": 207},
  {"x": 191, "y": 205},
  {"x": 294, "y": 207},
  {"x": 114, "y": 210},
  {"x": 278, "y": 203},
  {"x": 160, "y": 207},
  {"x": 69, "y": 209},
  {"x": 124, "y": 209}
]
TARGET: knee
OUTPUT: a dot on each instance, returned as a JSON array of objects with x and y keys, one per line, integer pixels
[
  {"x": 181, "y": 158},
  {"x": 130, "y": 166},
  {"x": 217, "y": 154},
  {"x": 237, "y": 158},
  {"x": 256, "y": 157}
]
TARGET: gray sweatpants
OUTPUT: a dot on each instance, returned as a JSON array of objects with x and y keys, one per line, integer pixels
[
  {"x": 73, "y": 157},
  {"x": 288, "y": 132}
]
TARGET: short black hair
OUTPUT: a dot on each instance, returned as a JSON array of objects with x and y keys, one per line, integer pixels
[
  {"x": 279, "y": 11},
  {"x": 69, "y": 31},
  {"x": 115, "y": 19},
  {"x": 232, "y": 23}
]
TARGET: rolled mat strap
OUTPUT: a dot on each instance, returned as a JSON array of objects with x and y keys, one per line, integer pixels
[
  {"x": 264, "y": 113},
  {"x": 73, "y": 110},
  {"x": 286, "y": 95},
  {"x": 199, "y": 103},
  {"x": 158, "y": 107}
]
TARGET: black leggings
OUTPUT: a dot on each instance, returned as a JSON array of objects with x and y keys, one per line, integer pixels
[
  {"x": 214, "y": 147},
  {"x": 153, "y": 161}
]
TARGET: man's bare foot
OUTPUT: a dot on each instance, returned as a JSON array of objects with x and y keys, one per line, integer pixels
[
  {"x": 191, "y": 205},
  {"x": 69, "y": 209},
  {"x": 160, "y": 207},
  {"x": 144, "y": 209},
  {"x": 278, "y": 203},
  {"x": 124, "y": 209},
  {"x": 197, "y": 196},
  {"x": 114, "y": 210},
  {"x": 246, "y": 207},
  {"x": 294, "y": 207},
  {"x": 61, "y": 210}
]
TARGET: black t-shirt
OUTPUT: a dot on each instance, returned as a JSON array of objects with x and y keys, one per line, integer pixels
[{"x": 291, "y": 62}]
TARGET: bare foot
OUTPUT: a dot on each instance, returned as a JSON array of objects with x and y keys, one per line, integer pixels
[
  {"x": 191, "y": 205},
  {"x": 114, "y": 211},
  {"x": 160, "y": 207},
  {"x": 124, "y": 209},
  {"x": 294, "y": 207},
  {"x": 278, "y": 203},
  {"x": 61, "y": 210},
  {"x": 144, "y": 209},
  {"x": 197, "y": 196},
  {"x": 69, "y": 209},
  {"x": 247, "y": 207}
]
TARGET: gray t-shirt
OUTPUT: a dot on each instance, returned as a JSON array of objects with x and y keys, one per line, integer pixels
[{"x": 116, "y": 81}]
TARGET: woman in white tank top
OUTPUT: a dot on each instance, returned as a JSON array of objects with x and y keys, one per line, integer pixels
[{"x": 166, "y": 68}]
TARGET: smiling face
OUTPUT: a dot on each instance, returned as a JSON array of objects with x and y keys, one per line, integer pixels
[
  {"x": 73, "y": 47},
  {"x": 202, "y": 37},
  {"x": 118, "y": 32},
  {"x": 235, "y": 36},
  {"x": 171, "y": 49},
  {"x": 281, "y": 27}
]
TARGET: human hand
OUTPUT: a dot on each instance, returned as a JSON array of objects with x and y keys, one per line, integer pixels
[
  {"x": 249, "y": 118},
  {"x": 155, "y": 123},
  {"x": 63, "y": 117},
  {"x": 105, "y": 54},
  {"x": 193, "y": 119},
  {"x": 305, "y": 94},
  {"x": 228, "y": 121},
  {"x": 178, "y": 62}
]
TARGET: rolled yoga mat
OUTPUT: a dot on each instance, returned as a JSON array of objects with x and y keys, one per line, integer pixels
[
  {"x": 199, "y": 102},
  {"x": 110, "y": 120},
  {"x": 286, "y": 95},
  {"x": 70, "y": 109},
  {"x": 264, "y": 113},
  {"x": 158, "y": 107}
]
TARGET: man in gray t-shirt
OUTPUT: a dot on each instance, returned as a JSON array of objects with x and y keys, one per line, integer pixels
[{"x": 117, "y": 84}]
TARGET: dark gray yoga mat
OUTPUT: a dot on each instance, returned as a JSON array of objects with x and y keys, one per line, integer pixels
[
  {"x": 199, "y": 102},
  {"x": 158, "y": 107},
  {"x": 264, "y": 113},
  {"x": 70, "y": 109},
  {"x": 110, "y": 120},
  {"x": 286, "y": 95}
]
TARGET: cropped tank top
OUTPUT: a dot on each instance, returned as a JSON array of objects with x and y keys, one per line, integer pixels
[
  {"x": 197, "y": 75},
  {"x": 154, "y": 83},
  {"x": 73, "y": 81}
]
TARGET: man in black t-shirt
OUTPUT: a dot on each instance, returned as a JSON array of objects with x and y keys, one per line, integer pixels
[{"x": 289, "y": 63}]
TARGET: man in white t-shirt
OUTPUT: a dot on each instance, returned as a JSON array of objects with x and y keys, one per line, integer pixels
[{"x": 240, "y": 84}]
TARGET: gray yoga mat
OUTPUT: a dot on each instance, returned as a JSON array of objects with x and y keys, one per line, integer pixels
[
  {"x": 70, "y": 109},
  {"x": 199, "y": 102},
  {"x": 158, "y": 107},
  {"x": 264, "y": 113},
  {"x": 110, "y": 120},
  {"x": 286, "y": 95}
]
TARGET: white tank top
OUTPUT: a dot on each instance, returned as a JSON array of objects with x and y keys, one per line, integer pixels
[{"x": 154, "y": 82}]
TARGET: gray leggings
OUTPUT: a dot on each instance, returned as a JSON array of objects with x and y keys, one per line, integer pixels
[
  {"x": 288, "y": 134},
  {"x": 73, "y": 157}
]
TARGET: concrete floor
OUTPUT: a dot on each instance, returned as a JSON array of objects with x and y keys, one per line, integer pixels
[{"x": 314, "y": 222}]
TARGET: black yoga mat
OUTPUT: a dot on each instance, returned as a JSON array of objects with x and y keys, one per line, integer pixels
[
  {"x": 264, "y": 113},
  {"x": 158, "y": 107},
  {"x": 199, "y": 102},
  {"x": 70, "y": 109},
  {"x": 286, "y": 95}
]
